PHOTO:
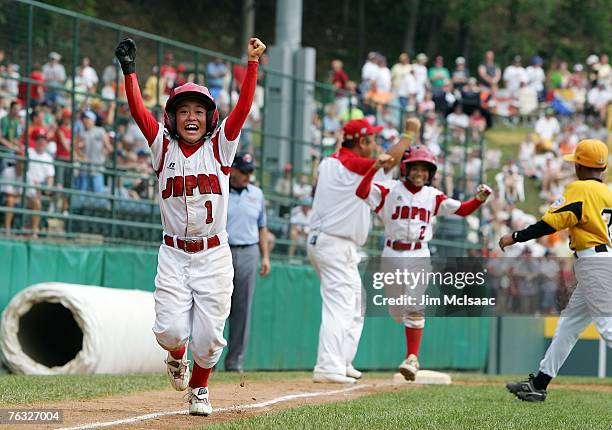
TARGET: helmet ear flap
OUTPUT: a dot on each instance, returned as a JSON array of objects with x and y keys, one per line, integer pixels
[
  {"x": 212, "y": 118},
  {"x": 170, "y": 123}
]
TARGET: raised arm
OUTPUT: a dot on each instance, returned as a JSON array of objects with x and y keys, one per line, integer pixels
[
  {"x": 411, "y": 131},
  {"x": 239, "y": 114},
  {"x": 126, "y": 54}
]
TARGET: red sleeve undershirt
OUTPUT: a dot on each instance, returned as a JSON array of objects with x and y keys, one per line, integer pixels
[
  {"x": 363, "y": 190},
  {"x": 239, "y": 114},
  {"x": 467, "y": 208},
  {"x": 144, "y": 119}
]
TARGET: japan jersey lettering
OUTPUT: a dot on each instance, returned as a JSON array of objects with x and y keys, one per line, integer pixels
[
  {"x": 408, "y": 216},
  {"x": 193, "y": 191}
]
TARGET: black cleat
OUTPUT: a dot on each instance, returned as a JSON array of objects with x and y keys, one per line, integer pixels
[{"x": 525, "y": 390}]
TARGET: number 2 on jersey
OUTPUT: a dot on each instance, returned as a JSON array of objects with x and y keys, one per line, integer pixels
[
  {"x": 607, "y": 216},
  {"x": 208, "y": 206}
]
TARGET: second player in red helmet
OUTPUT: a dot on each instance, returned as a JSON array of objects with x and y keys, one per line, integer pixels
[{"x": 408, "y": 207}]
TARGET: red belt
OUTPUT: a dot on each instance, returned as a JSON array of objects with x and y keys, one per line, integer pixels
[
  {"x": 193, "y": 245},
  {"x": 404, "y": 246}
]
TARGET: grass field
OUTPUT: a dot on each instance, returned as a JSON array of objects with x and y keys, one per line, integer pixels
[
  {"x": 474, "y": 401},
  {"x": 445, "y": 407}
]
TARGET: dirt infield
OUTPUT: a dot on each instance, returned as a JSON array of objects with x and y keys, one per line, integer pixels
[
  {"x": 236, "y": 400},
  {"x": 166, "y": 409}
]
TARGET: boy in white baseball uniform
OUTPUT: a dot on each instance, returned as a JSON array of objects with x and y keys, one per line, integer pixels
[
  {"x": 408, "y": 207},
  {"x": 192, "y": 155}
]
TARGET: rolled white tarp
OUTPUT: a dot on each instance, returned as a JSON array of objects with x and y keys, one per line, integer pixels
[{"x": 57, "y": 329}]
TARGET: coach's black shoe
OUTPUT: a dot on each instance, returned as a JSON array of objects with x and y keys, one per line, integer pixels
[{"x": 525, "y": 390}]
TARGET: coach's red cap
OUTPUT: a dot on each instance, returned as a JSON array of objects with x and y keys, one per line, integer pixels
[{"x": 356, "y": 128}]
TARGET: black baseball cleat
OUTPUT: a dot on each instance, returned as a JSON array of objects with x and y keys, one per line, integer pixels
[{"x": 525, "y": 390}]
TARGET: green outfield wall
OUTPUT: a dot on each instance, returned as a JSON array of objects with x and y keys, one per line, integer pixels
[{"x": 286, "y": 308}]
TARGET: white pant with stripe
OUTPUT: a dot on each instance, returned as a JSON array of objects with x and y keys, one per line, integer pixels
[{"x": 590, "y": 302}]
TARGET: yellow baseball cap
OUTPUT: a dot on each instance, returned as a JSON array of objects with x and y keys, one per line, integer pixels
[{"x": 590, "y": 153}]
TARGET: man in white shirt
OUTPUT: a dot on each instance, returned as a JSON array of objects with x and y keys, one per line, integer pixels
[
  {"x": 514, "y": 75},
  {"x": 40, "y": 172},
  {"x": 419, "y": 69},
  {"x": 548, "y": 126},
  {"x": 536, "y": 76}
]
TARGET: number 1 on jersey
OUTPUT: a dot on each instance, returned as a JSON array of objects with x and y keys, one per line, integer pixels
[{"x": 208, "y": 206}]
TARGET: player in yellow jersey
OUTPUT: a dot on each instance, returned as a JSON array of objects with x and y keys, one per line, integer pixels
[{"x": 586, "y": 210}]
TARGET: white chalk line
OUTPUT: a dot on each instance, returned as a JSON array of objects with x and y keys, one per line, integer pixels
[{"x": 231, "y": 408}]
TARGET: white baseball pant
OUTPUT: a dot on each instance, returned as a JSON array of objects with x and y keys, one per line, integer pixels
[
  {"x": 416, "y": 260},
  {"x": 590, "y": 301},
  {"x": 336, "y": 260},
  {"x": 193, "y": 294}
]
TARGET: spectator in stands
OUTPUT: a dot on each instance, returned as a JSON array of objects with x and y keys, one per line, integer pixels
[
  {"x": 478, "y": 124},
  {"x": 407, "y": 91},
  {"x": 438, "y": 74},
  {"x": 54, "y": 74},
  {"x": 215, "y": 75},
  {"x": 300, "y": 222},
  {"x": 514, "y": 76},
  {"x": 369, "y": 71},
  {"x": 560, "y": 76},
  {"x": 419, "y": 69},
  {"x": 527, "y": 100},
  {"x": 527, "y": 274},
  {"x": 40, "y": 172},
  {"x": 598, "y": 98},
  {"x": 547, "y": 127},
  {"x": 37, "y": 89},
  {"x": 399, "y": 71},
  {"x": 11, "y": 130},
  {"x": 338, "y": 76},
  {"x": 352, "y": 111},
  {"x": 458, "y": 122},
  {"x": 90, "y": 76},
  {"x": 181, "y": 76},
  {"x": 63, "y": 173},
  {"x": 489, "y": 73},
  {"x": 536, "y": 76},
  {"x": 37, "y": 125},
  {"x": 154, "y": 92},
  {"x": 432, "y": 133},
  {"x": 427, "y": 104},
  {"x": 168, "y": 73},
  {"x": 599, "y": 131},
  {"x": 512, "y": 180},
  {"x": 460, "y": 74},
  {"x": 9, "y": 86},
  {"x": 604, "y": 71},
  {"x": 302, "y": 188},
  {"x": 383, "y": 78},
  {"x": 95, "y": 146}
]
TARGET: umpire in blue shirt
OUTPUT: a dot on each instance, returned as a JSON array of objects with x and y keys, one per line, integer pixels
[{"x": 248, "y": 240}]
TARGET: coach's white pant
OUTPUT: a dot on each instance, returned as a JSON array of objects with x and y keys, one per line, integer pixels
[
  {"x": 591, "y": 301},
  {"x": 193, "y": 294},
  {"x": 336, "y": 261}
]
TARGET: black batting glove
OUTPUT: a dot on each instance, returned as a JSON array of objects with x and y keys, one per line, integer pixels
[{"x": 126, "y": 54}]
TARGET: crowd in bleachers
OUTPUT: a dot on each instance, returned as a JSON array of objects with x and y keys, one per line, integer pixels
[{"x": 455, "y": 104}]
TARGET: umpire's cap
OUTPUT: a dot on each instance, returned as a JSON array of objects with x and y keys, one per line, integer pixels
[
  {"x": 590, "y": 153},
  {"x": 243, "y": 162}
]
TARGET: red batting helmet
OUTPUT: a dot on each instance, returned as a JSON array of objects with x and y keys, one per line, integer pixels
[
  {"x": 191, "y": 90},
  {"x": 418, "y": 154}
]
